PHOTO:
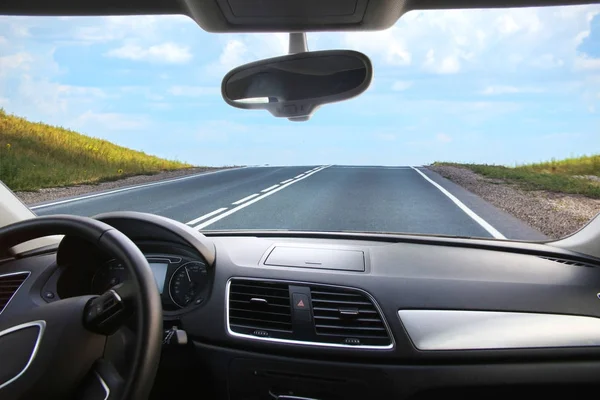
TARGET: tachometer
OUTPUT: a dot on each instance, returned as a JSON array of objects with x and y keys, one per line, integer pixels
[{"x": 187, "y": 282}]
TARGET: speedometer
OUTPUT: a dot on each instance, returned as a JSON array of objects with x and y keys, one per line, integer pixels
[{"x": 187, "y": 282}]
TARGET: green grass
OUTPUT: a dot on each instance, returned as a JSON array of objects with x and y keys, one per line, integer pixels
[
  {"x": 37, "y": 155},
  {"x": 554, "y": 175}
]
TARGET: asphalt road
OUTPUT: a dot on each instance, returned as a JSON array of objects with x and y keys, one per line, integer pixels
[{"x": 329, "y": 198}]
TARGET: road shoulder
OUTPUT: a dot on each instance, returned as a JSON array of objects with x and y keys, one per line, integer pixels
[
  {"x": 554, "y": 214},
  {"x": 49, "y": 195},
  {"x": 509, "y": 225}
]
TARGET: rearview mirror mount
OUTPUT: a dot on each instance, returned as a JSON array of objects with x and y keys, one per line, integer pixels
[{"x": 294, "y": 86}]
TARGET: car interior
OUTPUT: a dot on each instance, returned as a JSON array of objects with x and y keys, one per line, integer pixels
[{"x": 130, "y": 305}]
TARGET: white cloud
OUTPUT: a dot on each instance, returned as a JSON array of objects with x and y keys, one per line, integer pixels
[
  {"x": 468, "y": 40},
  {"x": 445, "y": 65},
  {"x": 233, "y": 54},
  {"x": 18, "y": 61},
  {"x": 583, "y": 62},
  {"x": 500, "y": 89},
  {"x": 111, "y": 121},
  {"x": 443, "y": 138},
  {"x": 387, "y": 44},
  {"x": 168, "y": 53},
  {"x": 193, "y": 91},
  {"x": 507, "y": 25},
  {"x": 400, "y": 86}
]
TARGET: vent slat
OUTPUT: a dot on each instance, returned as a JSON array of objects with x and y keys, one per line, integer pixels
[
  {"x": 249, "y": 328},
  {"x": 234, "y": 310},
  {"x": 345, "y": 316},
  {"x": 270, "y": 317},
  {"x": 8, "y": 287},
  {"x": 241, "y": 303},
  {"x": 342, "y": 302}
]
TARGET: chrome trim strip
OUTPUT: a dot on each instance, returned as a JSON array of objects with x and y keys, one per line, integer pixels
[
  {"x": 478, "y": 330},
  {"x": 41, "y": 324},
  {"x": 307, "y": 343},
  {"x": 20, "y": 286},
  {"x": 116, "y": 295},
  {"x": 104, "y": 385}
]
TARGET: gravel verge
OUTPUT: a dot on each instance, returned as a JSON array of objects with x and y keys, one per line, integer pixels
[
  {"x": 553, "y": 214},
  {"x": 50, "y": 194}
]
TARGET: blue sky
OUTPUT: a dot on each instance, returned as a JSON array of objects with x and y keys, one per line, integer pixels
[{"x": 495, "y": 86}]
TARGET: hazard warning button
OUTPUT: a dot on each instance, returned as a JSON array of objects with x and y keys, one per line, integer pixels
[{"x": 300, "y": 301}]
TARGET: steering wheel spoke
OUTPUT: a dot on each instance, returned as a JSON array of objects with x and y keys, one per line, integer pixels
[{"x": 103, "y": 382}]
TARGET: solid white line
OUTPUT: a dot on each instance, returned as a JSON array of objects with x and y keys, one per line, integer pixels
[
  {"x": 286, "y": 181},
  {"x": 205, "y": 216},
  {"x": 245, "y": 198},
  {"x": 90, "y": 196},
  {"x": 246, "y": 204},
  {"x": 269, "y": 188},
  {"x": 298, "y": 176},
  {"x": 492, "y": 231}
]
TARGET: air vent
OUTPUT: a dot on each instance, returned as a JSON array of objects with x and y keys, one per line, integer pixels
[
  {"x": 346, "y": 316},
  {"x": 9, "y": 284},
  {"x": 567, "y": 262},
  {"x": 260, "y": 309}
]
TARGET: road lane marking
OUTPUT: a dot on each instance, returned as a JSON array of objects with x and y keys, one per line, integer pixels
[
  {"x": 245, "y": 199},
  {"x": 246, "y": 204},
  {"x": 491, "y": 230},
  {"x": 269, "y": 188},
  {"x": 298, "y": 176},
  {"x": 125, "y": 189},
  {"x": 286, "y": 181},
  {"x": 306, "y": 172},
  {"x": 205, "y": 216}
]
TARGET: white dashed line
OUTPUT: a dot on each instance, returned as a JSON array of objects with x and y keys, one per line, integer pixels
[
  {"x": 205, "y": 216},
  {"x": 298, "y": 176},
  {"x": 269, "y": 188},
  {"x": 491, "y": 230},
  {"x": 286, "y": 181},
  {"x": 245, "y": 199},
  {"x": 246, "y": 204}
]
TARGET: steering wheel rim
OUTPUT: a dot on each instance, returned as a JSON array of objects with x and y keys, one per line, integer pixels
[{"x": 143, "y": 366}]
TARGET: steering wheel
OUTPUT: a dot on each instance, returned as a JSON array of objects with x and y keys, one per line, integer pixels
[{"x": 56, "y": 350}]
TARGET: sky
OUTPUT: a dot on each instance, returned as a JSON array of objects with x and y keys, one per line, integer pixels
[{"x": 503, "y": 86}]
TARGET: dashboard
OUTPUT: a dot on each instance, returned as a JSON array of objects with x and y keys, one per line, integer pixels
[{"x": 332, "y": 316}]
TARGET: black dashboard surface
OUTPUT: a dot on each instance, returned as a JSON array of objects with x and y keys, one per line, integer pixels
[
  {"x": 397, "y": 276},
  {"x": 548, "y": 298}
]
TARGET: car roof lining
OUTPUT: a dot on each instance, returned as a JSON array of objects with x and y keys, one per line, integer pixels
[{"x": 267, "y": 15}]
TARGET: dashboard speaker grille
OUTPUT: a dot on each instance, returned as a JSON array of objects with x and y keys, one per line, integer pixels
[
  {"x": 347, "y": 316},
  {"x": 9, "y": 284},
  {"x": 260, "y": 308},
  {"x": 567, "y": 262}
]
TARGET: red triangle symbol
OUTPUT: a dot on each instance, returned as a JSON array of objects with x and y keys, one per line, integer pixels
[{"x": 300, "y": 303}]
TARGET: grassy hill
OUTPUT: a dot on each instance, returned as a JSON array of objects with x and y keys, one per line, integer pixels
[
  {"x": 571, "y": 175},
  {"x": 37, "y": 155}
]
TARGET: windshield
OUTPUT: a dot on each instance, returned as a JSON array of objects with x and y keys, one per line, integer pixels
[{"x": 477, "y": 123}]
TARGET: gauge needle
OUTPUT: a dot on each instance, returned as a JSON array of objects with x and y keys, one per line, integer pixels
[{"x": 188, "y": 274}]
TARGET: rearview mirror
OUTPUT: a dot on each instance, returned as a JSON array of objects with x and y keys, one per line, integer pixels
[{"x": 294, "y": 86}]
